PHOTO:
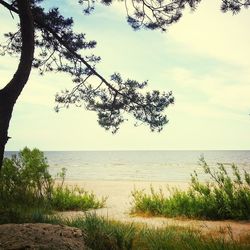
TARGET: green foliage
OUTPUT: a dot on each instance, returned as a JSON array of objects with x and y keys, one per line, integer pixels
[
  {"x": 21, "y": 214},
  {"x": 24, "y": 179},
  {"x": 25, "y": 185},
  {"x": 225, "y": 197},
  {"x": 65, "y": 198}
]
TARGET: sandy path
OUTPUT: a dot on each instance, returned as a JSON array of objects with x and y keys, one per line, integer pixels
[{"x": 119, "y": 204}]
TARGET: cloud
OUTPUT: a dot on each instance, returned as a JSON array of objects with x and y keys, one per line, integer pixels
[
  {"x": 215, "y": 94},
  {"x": 211, "y": 33}
]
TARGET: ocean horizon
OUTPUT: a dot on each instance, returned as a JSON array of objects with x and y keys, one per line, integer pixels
[{"x": 140, "y": 165}]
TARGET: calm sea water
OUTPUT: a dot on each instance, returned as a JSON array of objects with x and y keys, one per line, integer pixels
[{"x": 139, "y": 165}]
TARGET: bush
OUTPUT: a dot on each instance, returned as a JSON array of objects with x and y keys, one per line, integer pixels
[
  {"x": 65, "y": 198},
  {"x": 25, "y": 184},
  {"x": 24, "y": 179},
  {"x": 224, "y": 197}
]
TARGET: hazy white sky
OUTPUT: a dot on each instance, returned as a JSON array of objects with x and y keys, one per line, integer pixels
[{"x": 203, "y": 59}]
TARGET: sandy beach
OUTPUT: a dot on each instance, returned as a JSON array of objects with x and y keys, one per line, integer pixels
[
  {"x": 119, "y": 200},
  {"x": 119, "y": 193}
]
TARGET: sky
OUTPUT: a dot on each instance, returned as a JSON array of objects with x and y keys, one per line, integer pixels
[{"x": 203, "y": 59}]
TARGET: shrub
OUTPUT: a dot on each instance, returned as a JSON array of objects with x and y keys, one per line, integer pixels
[
  {"x": 65, "y": 198},
  {"x": 225, "y": 196},
  {"x": 25, "y": 184},
  {"x": 24, "y": 179}
]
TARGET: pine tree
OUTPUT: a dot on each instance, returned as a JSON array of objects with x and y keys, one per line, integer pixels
[{"x": 60, "y": 49}]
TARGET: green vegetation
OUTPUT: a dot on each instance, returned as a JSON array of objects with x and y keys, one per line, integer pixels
[
  {"x": 226, "y": 196},
  {"x": 103, "y": 234},
  {"x": 74, "y": 199},
  {"x": 28, "y": 193},
  {"x": 26, "y": 185}
]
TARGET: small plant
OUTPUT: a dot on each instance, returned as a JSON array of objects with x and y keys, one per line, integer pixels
[
  {"x": 224, "y": 197},
  {"x": 65, "y": 198},
  {"x": 73, "y": 198},
  {"x": 26, "y": 185}
]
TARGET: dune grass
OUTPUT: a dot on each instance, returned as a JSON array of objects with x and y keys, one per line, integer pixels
[
  {"x": 75, "y": 198},
  {"x": 103, "y": 234},
  {"x": 225, "y": 196},
  {"x": 26, "y": 185}
]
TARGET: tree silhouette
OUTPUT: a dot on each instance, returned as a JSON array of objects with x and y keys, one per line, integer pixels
[{"x": 60, "y": 49}]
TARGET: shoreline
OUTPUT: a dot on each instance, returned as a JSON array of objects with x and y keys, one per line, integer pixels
[{"x": 119, "y": 200}]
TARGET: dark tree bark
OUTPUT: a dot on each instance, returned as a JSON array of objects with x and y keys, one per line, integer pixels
[{"x": 10, "y": 93}]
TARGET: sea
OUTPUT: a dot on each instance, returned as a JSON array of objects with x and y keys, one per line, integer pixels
[{"x": 169, "y": 165}]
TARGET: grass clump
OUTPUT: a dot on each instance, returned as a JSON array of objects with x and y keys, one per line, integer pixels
[
  {"x": 65, "y": 198},
  {"x": 225, "y": 196},
  {"x": 27, "y": 186},
  {"x": 104, "y": 234}
]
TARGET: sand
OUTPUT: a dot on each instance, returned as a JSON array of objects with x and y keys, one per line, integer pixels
[
  {"x": 40, "y": 236},
  {"x": 119, "y": 200}
]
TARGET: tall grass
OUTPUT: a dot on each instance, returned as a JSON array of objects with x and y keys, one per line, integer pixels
[
  {"x": 225, "y": 196},
  {"x": 103, "y": 234},
  {"x": 26, "y": 185}
]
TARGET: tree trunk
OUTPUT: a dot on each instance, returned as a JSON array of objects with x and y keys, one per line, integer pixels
[
  {"x": 10, "y": 93},
  {"x": 5, "y": 115}
]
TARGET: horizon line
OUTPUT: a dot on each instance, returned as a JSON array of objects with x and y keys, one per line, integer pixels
[{"x": 120, "y": 150}]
